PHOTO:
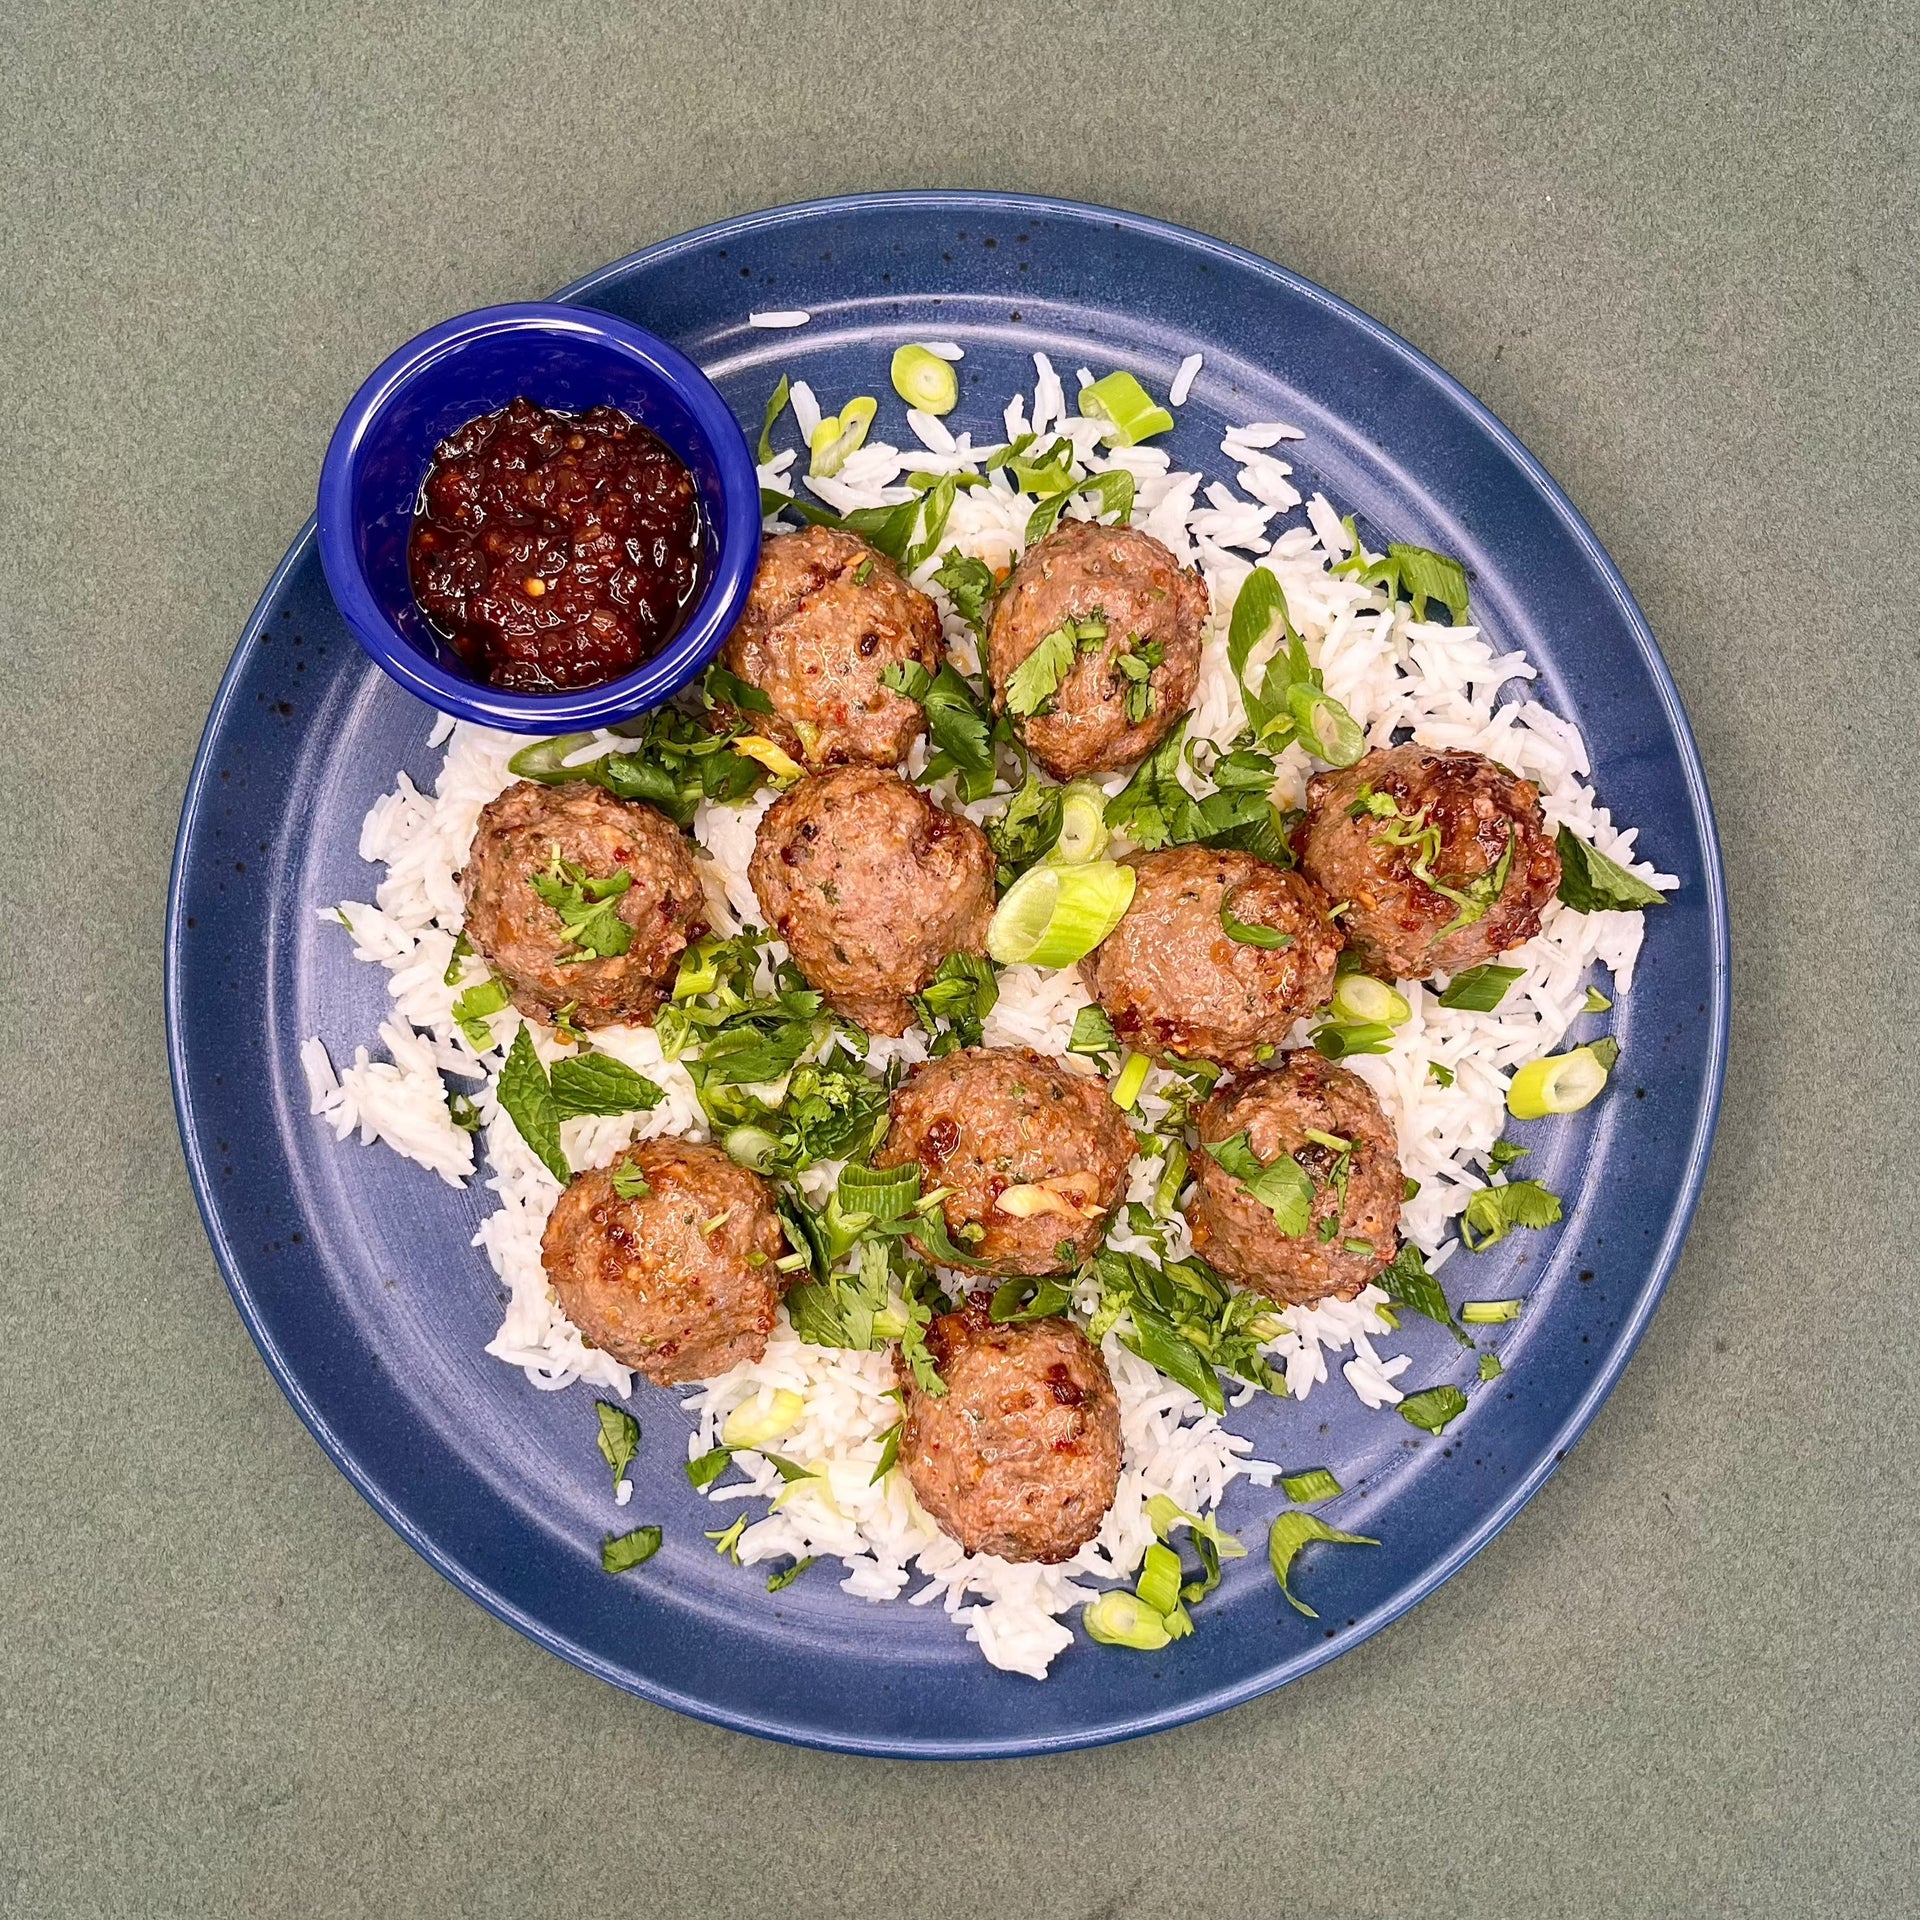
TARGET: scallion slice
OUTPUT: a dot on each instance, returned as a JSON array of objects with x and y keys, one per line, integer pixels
[
  {"x": 1561, "y": 1083},
  {"x": 1053, "y": 916},
  {"x": 1159, "y": 1584},
  {"x": 753, "y": 1147},
  {"x": 1361, "y": 998},
  {"x": 1480, "y": 989},
  {"x": 1133, "y": 1076},
  {"x": 1130, "y": 411},
  {"x": 1083, "y": 825},
  {"x": 1490, "y": 1313},
  {"x": 924, "y": 380},
  {"x": 1120, "y": 1620},
  {"x": 839, "y": 436},
  {"x": 753, "y": 1426},
  {"x": 1338, "y": 1040}
]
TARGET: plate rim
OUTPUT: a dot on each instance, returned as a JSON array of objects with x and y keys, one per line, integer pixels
[{"x": 1632, "y": 1329}]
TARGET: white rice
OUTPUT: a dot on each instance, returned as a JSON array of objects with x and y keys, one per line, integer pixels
[
  {"x": 1442, "y": 684},
  {"x": 780, "y": 317},
  {"x": 1183, "y": 380}
]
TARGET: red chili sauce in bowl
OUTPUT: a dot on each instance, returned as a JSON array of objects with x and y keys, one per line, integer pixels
[{"x": 555, "y": 550}]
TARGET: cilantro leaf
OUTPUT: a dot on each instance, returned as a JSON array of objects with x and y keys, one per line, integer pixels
[
  {"x": 1024, "y": 830},
  {"x": 968, "y": 583},
  {"x": 709, "y": 1467},
  {"x": 956, "y": 721},
  {"x": 1432, "y": 1410},
  {"x": 1494, "y": 1212},
  {"x": 1591, "y": 883},
  {"x": 1038, "y": 677},
  {"x": 588, "y": 909},
  {"x": 1283, "y": 1187},
  {"x": 1490, "y": 1367},
  {"x": 598, "y": 1083},
  {"x": 723, "y": 689},
  {"x": 629, "y": 1183},
  {"x": 629, "y": 1550},
  {"x": 1407, "y": 1282},
  {"x": 619, "y": 1437},
  {"x": 1503, "y": 1153},
  {"x": 527, "y": 1100}
]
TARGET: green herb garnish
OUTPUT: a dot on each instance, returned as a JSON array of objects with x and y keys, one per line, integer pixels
[
  {"x": 1306, "y": 1488},
  {"x": 619, "y": 1437},
  {"x": 1494, "y": 1212},
  {"x": 629, "y": 1183},
  {"x": 474, "y": 1006},
  {"x": 1591, "y": 883},
  {"x": 629, "y": 1549},
  {"x": 1283, "y": 1187},
  {"x": 588, "y": 909},
  {"x": 1250, "y": 933},
  {"x": 788, "y": 1575},
  {"x": 598, "y": 1083},
  {"x": 527, "y": 1100},
  {"x": 1431, "y": 1410},
  {"x": 1480, "y": 989}
]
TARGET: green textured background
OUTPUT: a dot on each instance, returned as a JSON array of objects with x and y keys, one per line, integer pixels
[{"x": 1676, "y": 256}]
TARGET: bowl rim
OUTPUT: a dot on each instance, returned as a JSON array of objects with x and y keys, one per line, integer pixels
[{"x": 654, "y": 680}]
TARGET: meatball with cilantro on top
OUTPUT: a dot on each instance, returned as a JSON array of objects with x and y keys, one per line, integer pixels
[
  {"x": 667, "y": 1260},
  {"x": 1095, "y": 647},
  {"x": 1032, "y": 1156},
  {"x": 871, "y": 885},
  {"x": 1020, "y": 1456},
  {"x": 827, "y": 616},
  {"x": 1442, "y": 858},
  {"x": 1218, "y": 954},
  {"x": 580, "y": 901},
  {"x": 1297, "y": 1186}
]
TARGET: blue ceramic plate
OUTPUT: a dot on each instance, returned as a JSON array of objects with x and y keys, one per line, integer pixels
[{"x": 352, "y": 1268}]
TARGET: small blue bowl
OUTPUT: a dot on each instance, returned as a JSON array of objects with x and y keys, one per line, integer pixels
[{"x": 568, "y": 359}]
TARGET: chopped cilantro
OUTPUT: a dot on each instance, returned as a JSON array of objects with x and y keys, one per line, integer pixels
[
  {"x": 1490, "y": 1367},
  {"x": 968, "y": 583},
  {"x": 588, "y": 909},
  {"x": 619, "y": 1437},
  {"x": 473, "y": 1008},
  {"x": 1407, "y": 1282},
  {"x": 629, "y": 1183},
  {"x": 1431, "y": 1410},
  {"x": 629, "y": 1550},
  {"x": 1494, "y": 1212},
  {"x": 1282, "y": 1187}
]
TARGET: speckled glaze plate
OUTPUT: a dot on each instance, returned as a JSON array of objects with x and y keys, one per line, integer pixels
[{"x": 353, "y": 1269}]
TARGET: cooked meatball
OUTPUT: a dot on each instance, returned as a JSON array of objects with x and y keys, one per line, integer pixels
[
  {"x": 826, "y": 616},
  {"x": 1172, "y": 979},
  {"x": 1413, "y": 839},
  {"x": 1126, "y": 582},
  {"x": 1035, "y": 1154},
  {"x": 871, "y": 886},
  {"x": 680, "y": 1281},
  {"x": 594, "y": 838},
  {"x": 1356, "y": 1188},
  {"x": 1021, "y": 1455}
]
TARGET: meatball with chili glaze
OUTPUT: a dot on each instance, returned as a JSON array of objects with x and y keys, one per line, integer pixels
[
  {"x": 1033, "y": 1155},
  {"x": 1443, "y": 858},
  {"x": 1173, "y": 980},
  {"x": 666, "y": 1260},
  {"x": 618, "y": 852},
  {"x": 1021, "y": 1456},
  {"x": 827, "y": 615},
  {"x": 871, "y": 885},
  {"x": 1130, "y": 602},
  {"x": 1328, "y": 1123}
]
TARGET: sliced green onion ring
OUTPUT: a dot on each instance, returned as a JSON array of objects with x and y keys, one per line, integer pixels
[
  {"x": 1053, "y": 916},
  {"x": 924, "y": 380},
  {"x": 1133, "y": 1076},
  {"x": 1083, "y": 825},
  {"x": 752, "y": 1147},
  {"x": 1561, "y": 1083},
  {"x": 1326, "y": 729},
  {"x": 1120, "y": 1620},
  {"x": 1360, "y": 997},
  {"x": 839, "y": 435},
  {"x": 1130, "y": 411}
]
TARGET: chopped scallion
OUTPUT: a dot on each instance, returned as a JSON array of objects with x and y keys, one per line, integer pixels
[
  {"x": 1362, "y": 999},
  {"x": 924, "y": 380},
  {"x": 1490, "y": 1313},
  {"x": 1131, "y": 413},
  {"x": 1053, "y": 916},
  {"x": 1133, "y": 1076},
  {"x": 1120, "y": 1620},
  {"x": 752, "y": 1425},
  {"x": 1561, "y": 1083}
]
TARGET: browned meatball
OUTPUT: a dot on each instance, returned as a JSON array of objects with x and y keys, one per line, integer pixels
[
  {"x": 595, "y": 838},
  {"x": 1035, "y": 1154},
  {"x": 1021, "y": 1455},
  {"x": 1172, "y": 979},
  {"x": 826, "y": 616},
  {"x": 679, "y": 1281},
  {"x": 1414, "y": 841},
  {"x": 871, "y": 886},
  {"x": 1356, "y": 1187},
  {"x": 1125, "y": 581}
]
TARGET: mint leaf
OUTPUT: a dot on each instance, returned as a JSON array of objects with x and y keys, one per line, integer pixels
[
  {"x": 1591, "y": 883},
  {"x": 598, "y": 1083},
  {"x": 1480, "y": 989},
  {"x": 527, "y": 1100}
]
